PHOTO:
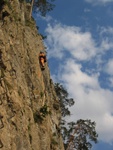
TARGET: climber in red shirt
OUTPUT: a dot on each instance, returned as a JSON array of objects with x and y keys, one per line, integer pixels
[{"x": 42, "y": 59}]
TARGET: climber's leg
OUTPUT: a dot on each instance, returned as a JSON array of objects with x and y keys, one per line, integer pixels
[{"x": 42, "y": 62}]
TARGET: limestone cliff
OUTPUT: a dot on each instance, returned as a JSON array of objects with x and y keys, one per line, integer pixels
[{"x": 29, "y": 108}]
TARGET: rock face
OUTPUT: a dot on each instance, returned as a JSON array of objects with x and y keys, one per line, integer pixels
[{"x": 29, "y": 108}]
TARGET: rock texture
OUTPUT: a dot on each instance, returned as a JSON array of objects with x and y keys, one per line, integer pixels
[{"x": 29, "y": 108}]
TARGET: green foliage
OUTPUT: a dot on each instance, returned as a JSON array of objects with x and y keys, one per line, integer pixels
[
  {"x": 63, "y": 99},
  {"x": 37, "y": 117},
  {"x": 41, "y": 114},
  {"x": 44, "y": 110},
  {"x": 41, "y": 94},
  {"x": 4, "y": 2},
  {"x": 54, "y": 134},
  {"x": 21, "y": 1},
  {"x": 43, "y": 6},
  {"x": 37, "y": 27},
  {"x": 54, "y": 142},
  {"x": 43, "y": 37},
  {"x": 29, "y": 23},
  {"x": 76, "y": 136},
  {"x": 81, "y": 133},
  {"x": 56, "y": 106},
  {"x": 28, "y": 1}
]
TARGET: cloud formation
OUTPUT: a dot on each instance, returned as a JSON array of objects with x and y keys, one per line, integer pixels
[
  {"x": 71, "y": 39},
  {"x": 109, "y": 67},
  {"x": 109, "y": 70},
  {"x": 91, "y": 101},
  {"x": 100, "y": 2},
  {"x": 77, "y": 47},
  {"x": 79, "y": 44}
]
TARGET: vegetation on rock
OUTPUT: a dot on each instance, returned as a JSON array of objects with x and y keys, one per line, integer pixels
[
  {"x": 43, "y": 6},
  {"x": 41, "y": 114},
  {"x": 76, "y": 135}
]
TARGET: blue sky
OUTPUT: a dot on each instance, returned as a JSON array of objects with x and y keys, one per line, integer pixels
[{"x": 80, "y": 56}]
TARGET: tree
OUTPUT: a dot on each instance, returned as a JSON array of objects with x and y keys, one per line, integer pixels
[
  {"x": 76, "y": 136},
  {"x": 63, "y": 99},
  {"x": 81, "y": 133},
  {"x": 43, "y": 6}
]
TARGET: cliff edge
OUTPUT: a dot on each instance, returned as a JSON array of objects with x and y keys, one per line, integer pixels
[{"x": 29, "y": 108}]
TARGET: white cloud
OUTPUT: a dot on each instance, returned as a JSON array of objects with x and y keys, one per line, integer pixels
[
  {"x": 109, "y": 70},
  {"x": 80, "y": 45},
  {"x": 47, "y": 18},
  {"x": 100, "y": 2},
  {"x": 105, "y": 127},
  {"x": 109, "y": 67},
  {"x": 111, "y": 81},
  {"x": 106, "y": 30},
  {"x": 106, "y": 45},
  {"x": 106, "y": 37},
  {"x": 39, "y": 17},
  {"x": 87, "y": 10},
  {"x": 91, "y": 101},
  {"x": 63, "y": 38}
]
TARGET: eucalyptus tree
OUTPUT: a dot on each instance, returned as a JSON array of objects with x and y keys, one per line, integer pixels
[
  {"x": 42, "y": 6},
  {"x": 77, "y": 135},
  {"x": 81, "y": 135}
]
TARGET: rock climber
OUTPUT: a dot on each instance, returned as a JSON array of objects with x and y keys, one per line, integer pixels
[{"x": 42, "y": 59}]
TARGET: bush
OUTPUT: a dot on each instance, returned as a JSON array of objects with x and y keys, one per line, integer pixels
[{"x": 41, "y": 114}]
